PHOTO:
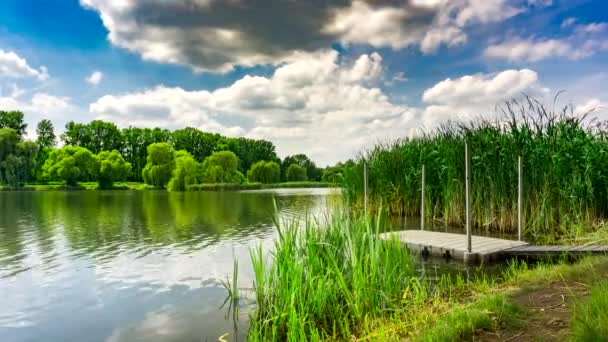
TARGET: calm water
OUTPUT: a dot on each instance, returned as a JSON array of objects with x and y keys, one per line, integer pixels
[{"x": 133, "y": 266}]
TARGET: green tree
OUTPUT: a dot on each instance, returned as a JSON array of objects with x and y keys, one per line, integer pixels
[
  {"x": 17, "y": 158},
  {"x": 312, "y": 171},
  {"x": 264, "y": 172},
  {"x": 14, "y": 120},
  {"x": 71, "y": 164},
  {"x": 200, "y": 144},
  {"x": 296, "y": 173},
  {"x": 46, "y": 134},
  {"x": 221, "y": 167},
  {"x": 96, "y": 136},
  {"x": 160, "y": 164},
  {"x": 135, "y": 146},
  {"x": 186, "y": 172},
  {"x": 249, "y": 151},
  {"x": 112, "y": 168}
]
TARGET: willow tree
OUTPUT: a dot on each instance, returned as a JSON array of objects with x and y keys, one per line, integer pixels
[
  {"x": 221, "y": 167},
  {"x": 112, "y": 168},
  {"x": 186, "y": 171},
  {"x": 159, "y": 167},
  {"x": 17, "y": 158},
  {"x": 264, "y": 172},
  {"x": 296, "y": 173},
  {"x": 71, "y": 164}
]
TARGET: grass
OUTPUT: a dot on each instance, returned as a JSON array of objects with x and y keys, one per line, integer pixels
[
  {"x": 565, "y": 173},
  {"x": 590, "y": 321},
  {"x": 257, "y": 186},
  {"x": 326, "y": 281}
]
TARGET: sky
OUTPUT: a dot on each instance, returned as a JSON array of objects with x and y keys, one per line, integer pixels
[{"x": 328, "y": 78}]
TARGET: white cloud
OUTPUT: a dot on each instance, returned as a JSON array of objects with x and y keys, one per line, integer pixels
[
  {"x": 593, "y": 105},
  {"x": 313, "y": 105},
  {"x": 474, "y": 95},
  {"x": 568, "y": 22},
  {"x": 39, "y": 106},
  {"x": 216, "y": 36},
  {"x": 12, "y": 65},
  {"x": 591, "y": 28},
  {"x": 95, "y": 77},
  {"x": 534, "y": 50}
]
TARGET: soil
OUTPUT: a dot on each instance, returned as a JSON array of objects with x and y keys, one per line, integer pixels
[{"x": 549, "y": 313}]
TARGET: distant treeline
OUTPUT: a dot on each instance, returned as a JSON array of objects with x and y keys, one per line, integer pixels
[{"x": 101, "y": 149}]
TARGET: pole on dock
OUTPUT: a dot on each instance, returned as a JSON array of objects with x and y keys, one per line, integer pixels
[
  {"x": 422, "y": 200},
  {"x": 520, "y": 169},
  {"x": 467, "y": 170},
  {"x": 365, "y": 186}
]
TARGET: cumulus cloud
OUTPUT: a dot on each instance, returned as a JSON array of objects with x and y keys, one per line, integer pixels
[
  {"x": 473, "y": 95},
  {"x": 12, "y": 65},
  {"x": 216, "y": 36},
  {"x": 38, "y": 106},
  {"x": 312, "y": 100},
  {"x": 585, "y": 41},
  {"x": 95, "y": 77}
]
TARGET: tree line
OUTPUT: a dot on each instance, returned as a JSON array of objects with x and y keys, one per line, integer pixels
[{"x": 100, "y": 151}]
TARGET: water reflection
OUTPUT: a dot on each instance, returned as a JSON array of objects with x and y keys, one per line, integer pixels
[{"x": 128, "y": 266}]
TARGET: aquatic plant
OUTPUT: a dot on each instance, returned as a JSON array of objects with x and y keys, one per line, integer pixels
[{"x": 565, "y": 162}]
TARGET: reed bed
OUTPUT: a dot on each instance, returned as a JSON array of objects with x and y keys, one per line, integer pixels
[
  {"x": 325, "y": 281},
  {"x": 565, "y": 158}
]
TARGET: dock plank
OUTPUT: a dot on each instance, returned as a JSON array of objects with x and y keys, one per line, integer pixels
[{"x": 483, "y": 248}]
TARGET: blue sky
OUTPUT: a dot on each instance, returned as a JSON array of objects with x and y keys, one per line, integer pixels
[{"x": 324, "y": 78}]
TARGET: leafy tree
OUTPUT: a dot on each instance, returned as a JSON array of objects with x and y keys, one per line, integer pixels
[
  {"x": 135, "y": 144},
  {"x": 335, "y": 174},
  {"x": 112, "y": 168},
  {"x": 17, "y": 159},
  {"x": 264, "y": 172},
  {"x": 14, "y": 120},
  {"x": 221, "y": 167},
  {"x": 312, "y": 171},
  {"x": 71, "y": 164},
  {"x": 46, "y": 134},
  {"x": 296, "y": 173},
  {"x": 200, "y": 144},
  {"x": 160, "y": 164},
  {"x": 186, "y": 171},
  {"x": 96, "y": 136},
  {"x": 249, "y": 151}
]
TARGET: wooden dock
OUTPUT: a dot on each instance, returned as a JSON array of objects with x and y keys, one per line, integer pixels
[{"x": 483, "y": 249}]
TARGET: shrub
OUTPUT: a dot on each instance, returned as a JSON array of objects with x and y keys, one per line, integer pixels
[{"x": 264, "y": 172}]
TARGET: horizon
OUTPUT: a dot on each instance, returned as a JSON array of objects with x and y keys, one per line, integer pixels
[{"x": 328, "y": 82}]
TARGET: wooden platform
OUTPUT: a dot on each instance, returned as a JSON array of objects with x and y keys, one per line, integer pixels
[
  {"x": 483, "y": 248},
  {"x": 453, "y": 245}
]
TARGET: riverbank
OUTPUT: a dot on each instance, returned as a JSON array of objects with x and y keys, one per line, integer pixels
[
  {"x": 142, "y": 186},
  {"x": 339, "y": 283}
]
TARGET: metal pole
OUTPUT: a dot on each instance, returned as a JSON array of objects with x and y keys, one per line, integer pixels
[
  {"x": 467, "y": 170},
  {"x": 422, "y": 200},
  {"x": 519, "y": 196},
  {"x": 365, "y": 186}
]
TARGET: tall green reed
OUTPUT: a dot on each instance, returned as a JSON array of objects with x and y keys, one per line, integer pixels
[
  {"x": 325, "y": 280},
  {"x": 565, "y": 182}
]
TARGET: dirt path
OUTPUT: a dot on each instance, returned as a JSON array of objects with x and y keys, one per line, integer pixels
[{"x": 549, "y": 313}]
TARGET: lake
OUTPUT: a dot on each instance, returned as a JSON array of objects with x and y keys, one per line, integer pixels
[{"x": 134, "y": 265}]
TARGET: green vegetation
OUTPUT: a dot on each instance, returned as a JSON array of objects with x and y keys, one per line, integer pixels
[
  {"x": 71, "y": 164},
  {"x": 326, "y": 283},
  {"x": 296, "y": 173},
  {"x": 565, "y": 173},
  {"x": 221, "y": 167},
  {"x": 591, "y": 316},
  {"x": 313, "y": 173},
  {"x": 17, "y": 158},
  {"x": 157, "y": 171},
  {"x": 112, "y": 168},
  {"x": 264, "y": 172},
  {"x": 257, "y": 186},
  {"x": 186, "y": 172}
]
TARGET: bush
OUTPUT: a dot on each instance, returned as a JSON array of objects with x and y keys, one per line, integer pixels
[{"x": 264, "y": 172}]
